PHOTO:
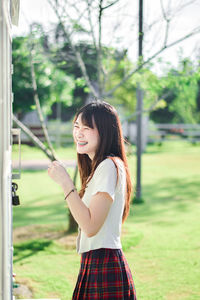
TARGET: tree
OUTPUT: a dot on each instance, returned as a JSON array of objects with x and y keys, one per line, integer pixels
[
  {"x": 57, "y": 90},
  {"x": 52, "y": 83},
  {"x": 181, "y": 105},
  {"x": 85, "y": 24},
  {"x": 62, "y": 56}
]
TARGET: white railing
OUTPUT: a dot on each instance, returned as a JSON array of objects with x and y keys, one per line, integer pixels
[
  {"x": 171, "y": 132},
  {"x": 62, "y": 135}
]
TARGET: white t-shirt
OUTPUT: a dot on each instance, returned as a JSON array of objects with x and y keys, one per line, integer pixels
[{"x": 105, "y": 180}]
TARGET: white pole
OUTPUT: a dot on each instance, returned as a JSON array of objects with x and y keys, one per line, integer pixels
[
  {"x": 5, "y": 153},
  {"x": 139, "y": 107}
]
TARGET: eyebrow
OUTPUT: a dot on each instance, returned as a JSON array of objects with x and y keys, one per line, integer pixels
[{"x": 76, "y": 122}]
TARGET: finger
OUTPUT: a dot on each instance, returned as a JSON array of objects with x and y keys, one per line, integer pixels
[
  {"x": 59, "y": 164},
  {"x": 55, "y": 163}
]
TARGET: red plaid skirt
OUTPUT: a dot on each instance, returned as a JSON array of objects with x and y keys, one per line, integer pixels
[{"x": 104, "y": 274}]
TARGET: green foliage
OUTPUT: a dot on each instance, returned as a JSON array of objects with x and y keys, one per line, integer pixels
[
  {"x": 125, "y": 95},
  {"x": 170, "y": 98},
  {"x": 114, "y": 64},
  {"x": 181, "y": 86},
  {"x": 53, "y": 85},
  {"x": 22, "y": 87},
  {"x": 185, "y": 83}
]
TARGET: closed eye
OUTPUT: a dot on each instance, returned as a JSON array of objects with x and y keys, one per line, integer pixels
[{"x": 76, "y": 126}]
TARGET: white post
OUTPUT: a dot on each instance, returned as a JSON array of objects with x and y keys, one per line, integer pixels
[{"x": 5, "y": 153}]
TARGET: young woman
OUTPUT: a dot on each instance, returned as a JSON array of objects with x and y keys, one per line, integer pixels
[{"x": 101, "y": 205}]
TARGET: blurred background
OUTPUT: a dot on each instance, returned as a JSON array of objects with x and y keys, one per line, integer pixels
[{"x": 143, "y": 58}]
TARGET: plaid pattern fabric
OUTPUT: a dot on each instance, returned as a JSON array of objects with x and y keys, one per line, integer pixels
[{"x": 104, "y": 274}]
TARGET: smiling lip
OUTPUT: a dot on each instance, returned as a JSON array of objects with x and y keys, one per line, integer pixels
[{"x": 81, "y": 143}]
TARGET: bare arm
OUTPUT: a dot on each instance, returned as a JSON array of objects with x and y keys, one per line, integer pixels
[{"x": 90, "y": 219}]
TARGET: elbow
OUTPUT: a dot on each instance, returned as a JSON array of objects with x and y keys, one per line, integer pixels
[{"x": 91, "y": 233}]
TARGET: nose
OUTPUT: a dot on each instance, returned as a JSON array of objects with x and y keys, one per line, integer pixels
[{"x": 79, "y": 133}]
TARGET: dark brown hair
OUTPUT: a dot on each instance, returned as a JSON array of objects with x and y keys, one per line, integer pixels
[{"x": 111, "y": 144}]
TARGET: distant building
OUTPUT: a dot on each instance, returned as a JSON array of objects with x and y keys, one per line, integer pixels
[{"x": 130, "y": 131}]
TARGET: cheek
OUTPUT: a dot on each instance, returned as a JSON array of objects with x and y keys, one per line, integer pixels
[{"x": 74, "y": 134}]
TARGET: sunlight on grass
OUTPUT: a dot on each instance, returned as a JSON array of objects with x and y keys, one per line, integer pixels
[
  {"x": 31, "y": 153},
  {"x": 160, "y": 237}
]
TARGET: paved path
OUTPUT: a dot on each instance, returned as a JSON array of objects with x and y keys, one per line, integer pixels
[{"x": 38, "y": 164}]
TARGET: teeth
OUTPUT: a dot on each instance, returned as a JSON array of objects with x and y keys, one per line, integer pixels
[{"x": 82, "y": 143}]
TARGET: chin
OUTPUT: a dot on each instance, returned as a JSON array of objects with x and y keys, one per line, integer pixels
[{"x": 81, "y": 152}]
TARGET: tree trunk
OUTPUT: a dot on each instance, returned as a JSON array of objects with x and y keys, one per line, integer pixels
[
  {"x": 198, "y": 96},
  {"x": 38, "y": 107},
  {"x": 73, "y": 226}
]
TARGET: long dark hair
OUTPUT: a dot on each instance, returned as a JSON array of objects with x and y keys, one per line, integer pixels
[{"x": 111, "y": 144}]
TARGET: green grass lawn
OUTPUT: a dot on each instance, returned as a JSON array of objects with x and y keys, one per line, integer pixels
[
  {"x": 160, "y": 238},
  {"x": 30, "y": 153}
]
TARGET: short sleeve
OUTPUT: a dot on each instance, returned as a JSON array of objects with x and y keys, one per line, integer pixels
[{"x": 105, "y": 178}]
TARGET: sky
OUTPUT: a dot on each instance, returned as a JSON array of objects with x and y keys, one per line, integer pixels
[{"x": 124, "y": 17}]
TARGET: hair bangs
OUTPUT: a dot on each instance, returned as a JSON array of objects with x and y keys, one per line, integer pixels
[{"x": 87, "y": 118}]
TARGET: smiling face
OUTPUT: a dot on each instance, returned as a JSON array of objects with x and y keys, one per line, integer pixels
[{"x": 86, "y": 138}]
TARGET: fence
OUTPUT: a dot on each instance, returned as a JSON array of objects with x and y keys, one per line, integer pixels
[
  {"x": 58, "y": 135},
  {"x": 61, "y": 133},
  {"x": 171, "y": 132}
]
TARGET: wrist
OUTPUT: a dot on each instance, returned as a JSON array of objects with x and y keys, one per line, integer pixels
[
  {"x": 67, "y": 188},
  {"x": 70, "y": 192},
  {"x": 66, "y": 184}
]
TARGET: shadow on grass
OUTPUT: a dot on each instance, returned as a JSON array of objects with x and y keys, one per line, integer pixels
[
  {"x": 40, "y": 211},
  {"x": 29, "y": 248},
  {"x": 175, "y": 194}
]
